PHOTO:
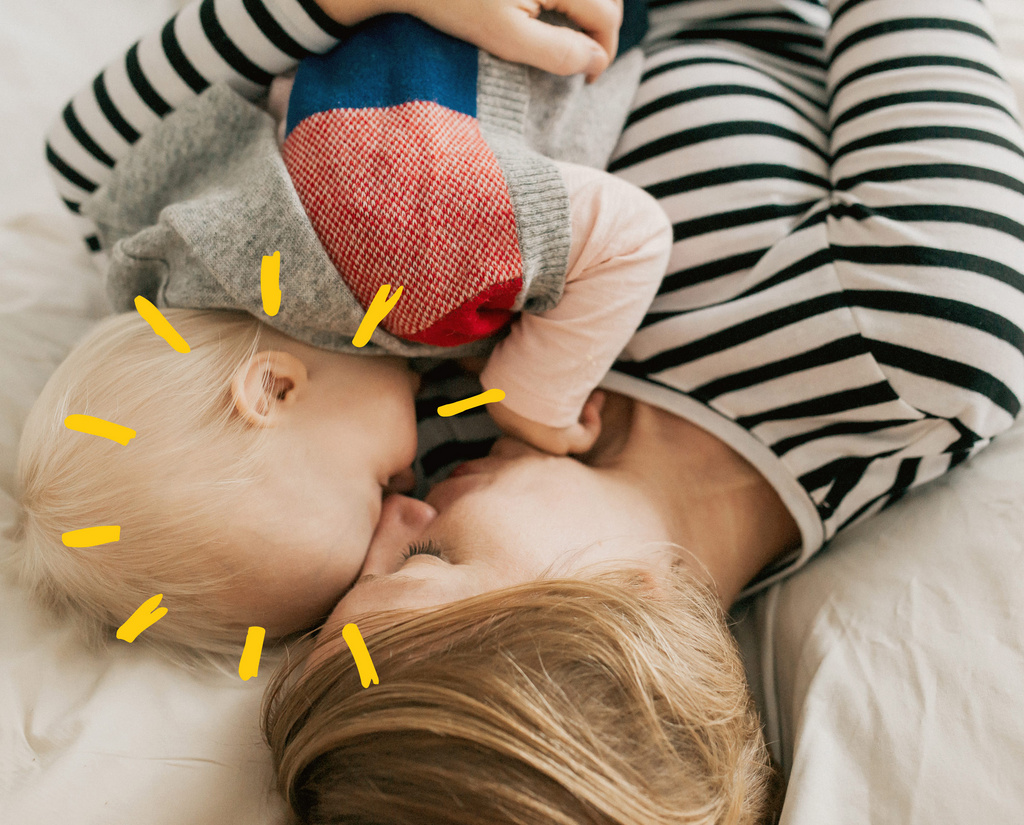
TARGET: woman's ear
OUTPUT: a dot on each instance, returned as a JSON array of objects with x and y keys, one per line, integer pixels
[{"x": 266, "y": 382}]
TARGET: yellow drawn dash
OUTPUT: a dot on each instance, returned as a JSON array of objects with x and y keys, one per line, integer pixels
[
  {"x": 249, "y": 664},
  {"x": 354, "y": 639},
  {"x": 145, "y": 617},
  {"x": 97, "y": 426},
  {"x": 91, "y": 536},
  {"x": 161, "y": 326},
  {"x": 270, "y": 283},
  {"x": 488, "y": 397},
  {"x": 380, "y": 306}
]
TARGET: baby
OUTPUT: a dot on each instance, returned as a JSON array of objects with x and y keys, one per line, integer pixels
[
  {"x": 254, "y": 484},
  {"x": 403, "y": 146}
]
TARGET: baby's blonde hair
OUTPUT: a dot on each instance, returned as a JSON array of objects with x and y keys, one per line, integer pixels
[
  {"x": 168, "y": 489},
  {"x": 557, "y": 702}
]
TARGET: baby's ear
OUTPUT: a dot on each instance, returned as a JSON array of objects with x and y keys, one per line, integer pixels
[{"x": 265, "y": 383}]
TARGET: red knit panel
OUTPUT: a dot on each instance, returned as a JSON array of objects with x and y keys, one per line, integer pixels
[
  {"x": 480, "y": 316},
  {"x": 409, "y": 196}
]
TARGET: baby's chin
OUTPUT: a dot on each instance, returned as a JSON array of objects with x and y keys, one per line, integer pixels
[{"x": 401, "y": 482}]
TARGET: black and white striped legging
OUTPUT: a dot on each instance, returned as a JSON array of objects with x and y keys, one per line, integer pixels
[{"x": 845, "y": 299}]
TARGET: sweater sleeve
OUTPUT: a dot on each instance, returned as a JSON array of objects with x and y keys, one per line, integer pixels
[
  {"x": 244, "y": 43},
  {"x": 550, "y": 361}
]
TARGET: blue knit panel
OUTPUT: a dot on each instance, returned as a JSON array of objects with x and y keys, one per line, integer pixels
[{"x": 387, "y": 61}]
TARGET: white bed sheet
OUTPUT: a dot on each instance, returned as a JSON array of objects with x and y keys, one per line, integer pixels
[{"x": 890, "y": 670}]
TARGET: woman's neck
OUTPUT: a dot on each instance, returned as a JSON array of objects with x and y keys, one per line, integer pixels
[{"x": 713, "y": 502}]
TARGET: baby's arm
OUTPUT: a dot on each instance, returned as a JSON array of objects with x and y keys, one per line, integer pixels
[
  {"x": 246, "y": 43},
  {"x": 551, "y": 361},
  {"x": 243, "y": 43}
]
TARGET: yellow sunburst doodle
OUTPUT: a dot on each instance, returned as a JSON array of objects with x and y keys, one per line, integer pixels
[
  {"x": 145, "y": 617},
  {"x": 380, "y": 306},
  {"x": 270, "y": 283},
  {"x": 161, "y": 326},
  {"x": 488, "y": 397},
  {"x": 92, "y": 536},
  {"x": 149, "y": 613},
  {"x": 354, "y": 639},
  {"x": 91, "y": 425},
  {"x": 249, "y": 664}
]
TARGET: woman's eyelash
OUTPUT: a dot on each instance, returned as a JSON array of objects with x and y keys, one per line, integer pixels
[{"x": 427, "y": 547}]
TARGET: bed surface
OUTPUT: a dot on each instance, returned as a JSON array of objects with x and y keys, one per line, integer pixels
[{"x": 890, "y": 671}]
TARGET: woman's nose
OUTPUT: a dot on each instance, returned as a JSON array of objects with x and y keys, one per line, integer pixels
[{"x": 402, "y": 520}]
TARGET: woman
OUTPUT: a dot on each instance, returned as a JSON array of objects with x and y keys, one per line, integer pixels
[{"x": 842, "y": 320}]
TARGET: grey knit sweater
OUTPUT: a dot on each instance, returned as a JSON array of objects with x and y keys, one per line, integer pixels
[{"x": 190, "y": 212}]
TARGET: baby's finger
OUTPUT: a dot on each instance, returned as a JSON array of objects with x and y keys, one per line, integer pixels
[
  {"x": 554, "y": 49},
  {"x": 584, "y": 434},
  {"x": 593, "y": 406},
  {"x": 601, "y": 19}
]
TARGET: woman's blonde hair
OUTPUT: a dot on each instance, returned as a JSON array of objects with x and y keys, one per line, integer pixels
[
  {"x": 168, "y": 489},
  {"x": 558, "y": 702}
]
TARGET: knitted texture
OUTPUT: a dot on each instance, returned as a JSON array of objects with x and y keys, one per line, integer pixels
[
  {"x": 189, "y": 212},
  {"x": 401, "y": 185},
  {"x": 411, "y": 195}
]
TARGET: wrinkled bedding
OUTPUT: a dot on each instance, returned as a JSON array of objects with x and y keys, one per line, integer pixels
[{"x": 889, "y": 671}]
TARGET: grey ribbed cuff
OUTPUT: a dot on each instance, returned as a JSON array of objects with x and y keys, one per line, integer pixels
[{"x": 538, "y": 193}]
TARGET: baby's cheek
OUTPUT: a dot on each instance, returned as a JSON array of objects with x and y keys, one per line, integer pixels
[
  {"x": 405, "y": 434},
  {"x": 393, "y": 394}
]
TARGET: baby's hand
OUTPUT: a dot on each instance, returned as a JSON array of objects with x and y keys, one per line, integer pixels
[
  {"x": 509, "y": 29},
  {"x": 575, "y": 439}
]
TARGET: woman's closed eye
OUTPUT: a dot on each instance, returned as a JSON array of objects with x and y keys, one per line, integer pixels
[{"x": 424, "y": 548}]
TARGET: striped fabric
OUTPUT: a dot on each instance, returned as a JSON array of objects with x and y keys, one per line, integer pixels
[
  {"x": 845, "y": 300},
  {"x": 244, "y": 43},
  {"x": 844, "y": 303}
]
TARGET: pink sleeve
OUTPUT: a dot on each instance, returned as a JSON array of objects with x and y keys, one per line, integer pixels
[
  {"x": 551, "y": 361},
  {"x": 277, "y": 101}
]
